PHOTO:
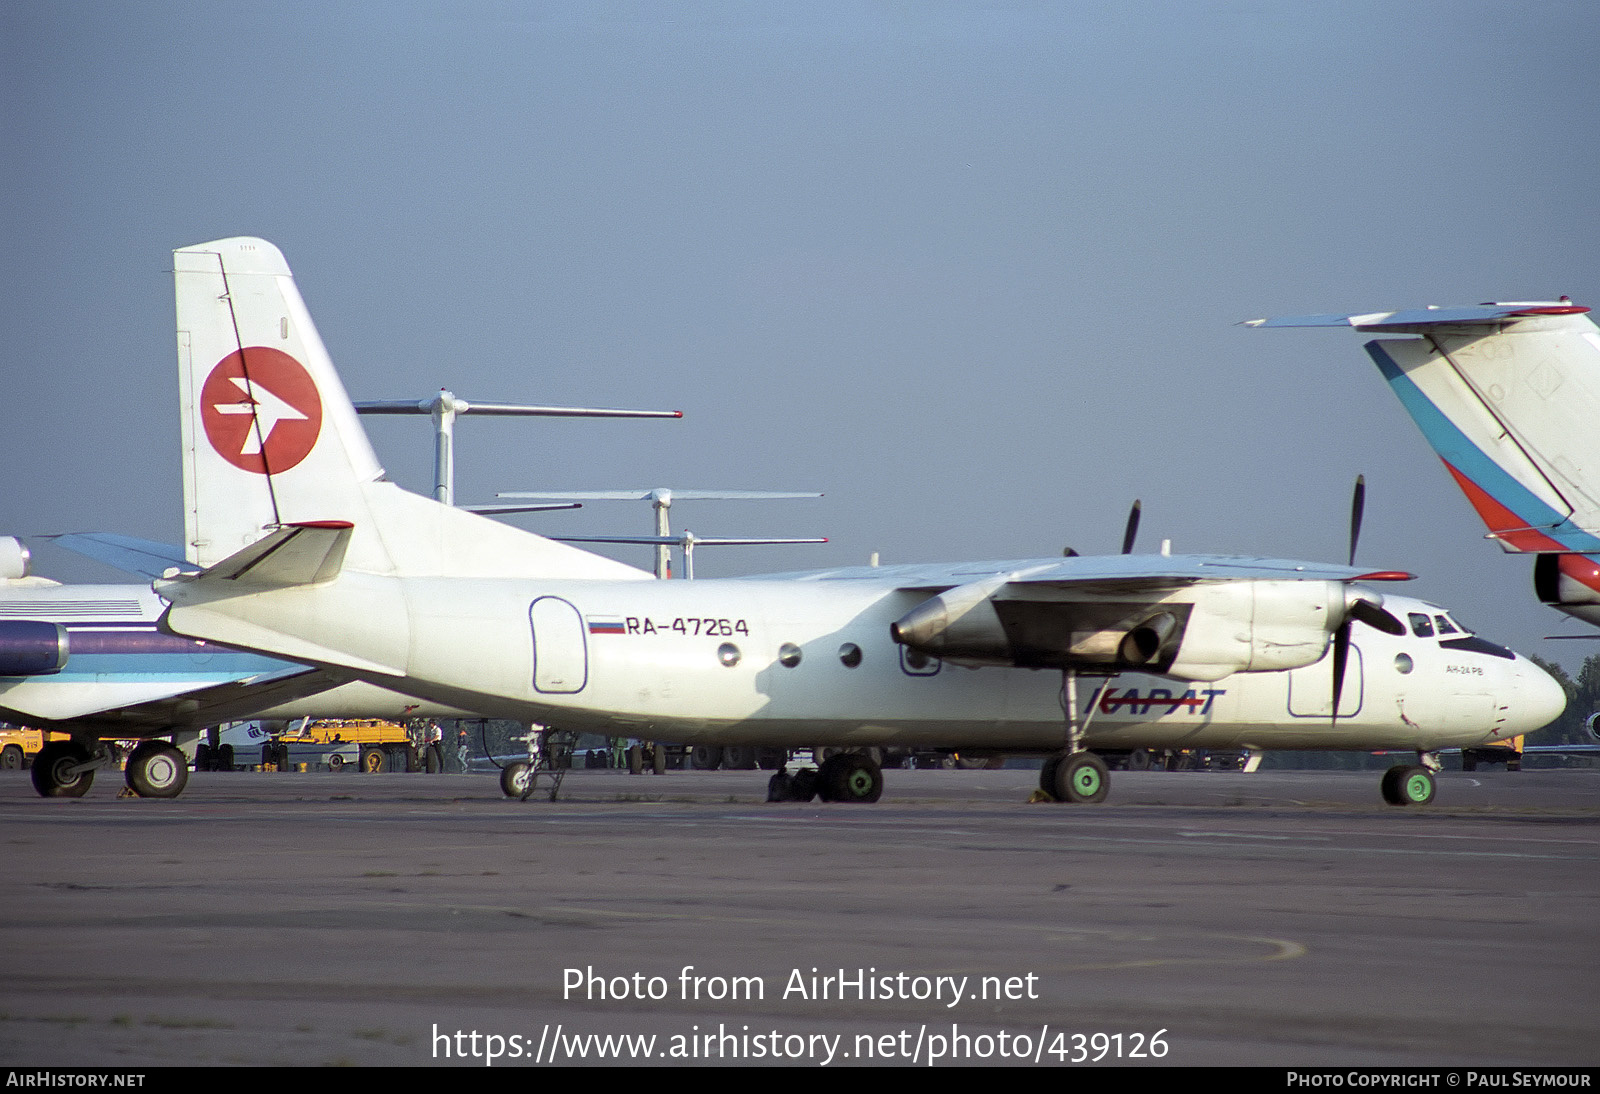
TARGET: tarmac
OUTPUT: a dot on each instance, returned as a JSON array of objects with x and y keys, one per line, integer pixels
[{"x": 1285, "y": 919}]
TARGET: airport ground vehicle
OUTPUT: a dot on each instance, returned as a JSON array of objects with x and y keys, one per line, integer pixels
[{"x": 20, "y": 744}]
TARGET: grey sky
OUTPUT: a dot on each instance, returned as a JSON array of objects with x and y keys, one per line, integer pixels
[{"x": 973, "y": 270}]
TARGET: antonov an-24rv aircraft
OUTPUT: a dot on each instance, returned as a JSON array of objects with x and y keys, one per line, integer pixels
[{"x": 304, "y": 552}]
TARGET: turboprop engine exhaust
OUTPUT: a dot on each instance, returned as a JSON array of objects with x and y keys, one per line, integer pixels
[{"x": 1142, "y": 645}]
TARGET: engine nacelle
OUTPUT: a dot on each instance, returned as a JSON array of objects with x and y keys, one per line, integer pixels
[
  {"x": 1569, "y": 583},
  {"x": 1203, "y": 632},
  {"x": 1258, "y": 626},
  {"x": 958, "y": 623},
  {"x": 31, "y": 647}
]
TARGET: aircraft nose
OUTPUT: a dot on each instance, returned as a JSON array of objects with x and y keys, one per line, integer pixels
[{"x": 1539, "y": 698}]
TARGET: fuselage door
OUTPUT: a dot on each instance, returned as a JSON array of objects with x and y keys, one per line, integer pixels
[
  {"x": 1311, "y": 688},
  {"x": 560, "y": 647}
]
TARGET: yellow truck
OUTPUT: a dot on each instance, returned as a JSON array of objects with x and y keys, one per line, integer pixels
[
  {"x": 374, "y": 744},
  {"x": 18, "y": 744}
]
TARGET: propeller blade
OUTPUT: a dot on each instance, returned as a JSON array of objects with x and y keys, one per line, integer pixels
[
  {"x": 1376, "y": 617},
  {"x": 1132, "y": 531},
  {"x": 1358, "y": 503},
  {"x": 1341, "y": 658}
]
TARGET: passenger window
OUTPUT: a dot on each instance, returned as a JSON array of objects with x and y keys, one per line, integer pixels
[
  {"x": 1444, "y": 625},
  {"x": 1421, "y": 625}
]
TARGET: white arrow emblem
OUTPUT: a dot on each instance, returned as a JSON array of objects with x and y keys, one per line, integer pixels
[{"x": 268, "y": 409}]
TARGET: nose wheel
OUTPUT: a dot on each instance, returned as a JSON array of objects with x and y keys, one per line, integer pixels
[{"x": 1408, "y": 784}]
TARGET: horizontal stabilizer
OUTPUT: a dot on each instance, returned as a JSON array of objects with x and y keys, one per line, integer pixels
[
  {"x": 299, "y": 554},
  {"x": 1423, "y": 317},
  {"x": 128, "y": 553}
]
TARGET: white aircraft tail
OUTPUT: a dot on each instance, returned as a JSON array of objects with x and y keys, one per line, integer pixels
[
  {"x": 1511, "y": 407},
  {"x": 1508, "y": 395},
  {"x": 271, "y": 441}
]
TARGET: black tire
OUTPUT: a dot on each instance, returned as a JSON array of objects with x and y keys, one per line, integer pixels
[
  {"x": 803, "y": 786},
  {"x": 157, "y": 770},
  {"x": 1408, "y": 784},
  {"x": 739, "y": 758},
  {"x": 202, "y": 757},
  {"x": 224, "y": 760},
  {"x": 706, "y": 757},
  {"x": 851, "y": 777},
  {"x": 635, "y": 760},
  {"x": 658, "y": 759},
  {"x": 373, "y": 761},
  {"x": 771, "y": 759},
  {"x": 516, "y": 778},
  {"x": 1047, "y": 774},
  {"x": 1139, "y": 760},
  {"x": 1082, "y": 779},
  {"x": 780, "y": 788},
  {"x": 49, "y": 771},
  {"x": 269, "y": 755},
  {"x": 11, "y": 758}
]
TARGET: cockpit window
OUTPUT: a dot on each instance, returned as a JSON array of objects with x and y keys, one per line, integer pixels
[
  {"x": 1421, "y": 625},
  {"x": 1445, "y": 626}
]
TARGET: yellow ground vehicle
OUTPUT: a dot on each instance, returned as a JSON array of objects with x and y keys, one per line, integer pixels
[
  {"x": 18, "y": 744},
  {"x": 1509, "y": 754},
  {"x": 336, "y": 743}
]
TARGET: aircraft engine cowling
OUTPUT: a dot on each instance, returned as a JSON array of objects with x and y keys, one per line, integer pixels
[
  {"x": 31, "y": 647},
  {"x": 1569, "y": 583},
  {"x": 1260, "y": 626},
  {"x": 958, "y": 623},
  {"x": 1201, "y": 632}
]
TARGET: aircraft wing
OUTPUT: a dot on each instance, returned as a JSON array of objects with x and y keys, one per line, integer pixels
[
  {"x": 159, "y": 706},
  {"x": 1131, "y": 573},
  {"x": 1198, "y": 617}
]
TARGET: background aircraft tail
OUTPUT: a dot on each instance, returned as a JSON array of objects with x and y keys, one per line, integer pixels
[
  {"x": 270, "y": 439},
  {"x": 1508, "y": 395}
]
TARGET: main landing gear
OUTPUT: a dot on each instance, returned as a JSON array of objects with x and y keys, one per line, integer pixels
[
  {"x": 157, "y": 769},
  {"x": 1076, "y": 777},
  {"x": 842, "y": 777},
  {"x": 1075, "y": 774},
  {"x": 65, "y": 769}
]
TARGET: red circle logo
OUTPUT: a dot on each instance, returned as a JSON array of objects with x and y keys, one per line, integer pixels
[{"x": 261, "y": 410}]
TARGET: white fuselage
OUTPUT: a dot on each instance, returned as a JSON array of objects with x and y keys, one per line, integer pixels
[{"x": 652, "y": 659}]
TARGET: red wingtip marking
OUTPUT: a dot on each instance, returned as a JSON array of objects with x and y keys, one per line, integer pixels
[
  {"x": 321, "y": 524},
  {"x": 1385, "y": 575},
  {"x": 1554, "y": 309}
]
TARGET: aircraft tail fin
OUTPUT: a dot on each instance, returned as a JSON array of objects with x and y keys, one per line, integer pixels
[
  {"x": 271, "y": 440},
  {"x": 1509, "y": 405}
]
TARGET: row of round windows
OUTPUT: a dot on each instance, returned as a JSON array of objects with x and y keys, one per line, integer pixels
[{"x": 789, "y": 655}]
